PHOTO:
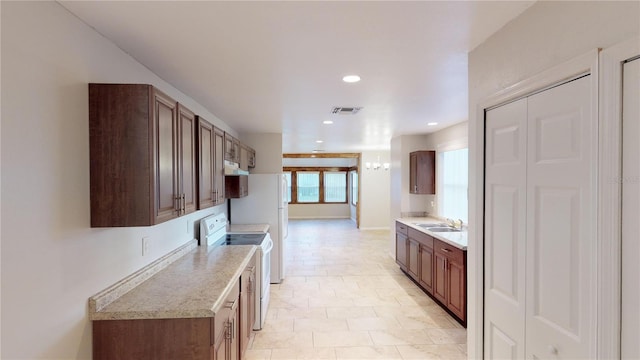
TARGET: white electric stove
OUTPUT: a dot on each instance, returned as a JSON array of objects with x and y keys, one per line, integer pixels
[{"x": 213, "y": 232}]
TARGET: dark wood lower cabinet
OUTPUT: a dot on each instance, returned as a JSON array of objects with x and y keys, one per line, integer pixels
[
  {"x": 222, "y": 337},
  {"x": 414, "y": 259},
  {"x": 247, "y": 305},
  {"x": 440, "y": 277},
  {"x": 426, "y": 267},
  {"x": 152, "y": 339},
  {"x": 437, "y": 267}
]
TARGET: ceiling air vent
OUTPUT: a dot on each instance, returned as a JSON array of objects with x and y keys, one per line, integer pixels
[{"x": 345, "y": 110}]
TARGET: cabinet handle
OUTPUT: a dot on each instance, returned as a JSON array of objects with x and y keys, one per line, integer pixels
[
  {"x": 445, "y": 250},
  {"x": 227, "y": 332},
  {"x": 176, "y": 204},
  {"x": 231, "y": 304}
]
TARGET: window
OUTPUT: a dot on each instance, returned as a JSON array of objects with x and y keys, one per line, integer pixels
[
  {"x": 289, "y": 184},
  {"x": 454, "y": 176},
  {"x": 335, "y": 186},
  {"x": 308, "y": 187},
  {"x": 317, "y": 185},
  {"x": 354, "y": 187}
]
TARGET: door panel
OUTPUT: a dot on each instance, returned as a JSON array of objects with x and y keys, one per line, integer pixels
[
  {"x": 561, "y": 273},
  {"x": 206, "y": 194},
  {"x": 505, "y": 205},
  {"x": 426, "y": 268},
  {"x": 218, "y": 172},
  {"x": 165, "y": 140},
  {"x": 414, "y": 256},
  {"x": 500, "y": 346},
  {"x": 439, "y": 276},
  {"x": 187, "y": 153},
  {"x": 631, "y": 211}
]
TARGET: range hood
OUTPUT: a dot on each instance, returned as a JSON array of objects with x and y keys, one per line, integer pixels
[{"x": 233, "y": 169}]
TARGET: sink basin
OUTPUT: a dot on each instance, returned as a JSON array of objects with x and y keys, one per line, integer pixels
[
  {"x": 443, "y": 229},
  {"x": 429, "y": 225}
]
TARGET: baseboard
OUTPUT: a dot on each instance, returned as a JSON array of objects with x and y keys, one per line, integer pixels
[{"x": 375, "y": 228}]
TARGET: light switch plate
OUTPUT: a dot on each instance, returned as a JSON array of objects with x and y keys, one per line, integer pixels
[{"x": 145, "y": 245}]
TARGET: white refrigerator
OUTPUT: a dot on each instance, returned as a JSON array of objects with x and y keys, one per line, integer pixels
[{"x": 266, "y": 203}]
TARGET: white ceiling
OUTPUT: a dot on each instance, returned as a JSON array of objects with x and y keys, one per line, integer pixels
[{"x": 277, "y": 66}]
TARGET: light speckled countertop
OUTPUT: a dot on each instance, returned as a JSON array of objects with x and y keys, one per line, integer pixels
[
  {"x": 195, "y": 285},
  {"x": 457, "y": 239}
]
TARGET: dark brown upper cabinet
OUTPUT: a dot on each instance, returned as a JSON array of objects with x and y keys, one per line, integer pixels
[
  {"x": 231, "y": 148},
  {"x": 142, "y": 156},
  {"x": 210, "y": 164},
  {"x": 422, "y": 173}
]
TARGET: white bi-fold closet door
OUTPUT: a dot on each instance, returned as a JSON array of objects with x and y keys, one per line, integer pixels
[
  {"x": 630, "y": 321},
  {"x": 540, "y": 163}
]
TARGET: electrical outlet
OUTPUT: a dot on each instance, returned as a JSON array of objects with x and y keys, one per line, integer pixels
[{"x": 145, "y": 245}]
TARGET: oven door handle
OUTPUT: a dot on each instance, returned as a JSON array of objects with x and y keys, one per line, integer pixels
[{"x": 269, "y": 246}]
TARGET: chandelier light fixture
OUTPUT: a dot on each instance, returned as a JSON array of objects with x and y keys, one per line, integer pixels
[{"x": 376, "y": 165}]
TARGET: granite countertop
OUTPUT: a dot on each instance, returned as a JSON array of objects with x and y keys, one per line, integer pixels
[
  {"x": 248, "y": 228},
  {"x": 457, "y": 239},
  {"x": 195, "y": 285}
]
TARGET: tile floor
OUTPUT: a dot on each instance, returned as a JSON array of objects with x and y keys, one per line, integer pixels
[{"x": 345, "y": 298}]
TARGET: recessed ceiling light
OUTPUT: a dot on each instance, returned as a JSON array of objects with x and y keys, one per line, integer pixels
[
  {"x": 319, "y": 141},
  {"x": 351, "y": 78},
  {"x": 327, "y": 122},
  {"x": 432, "y": 124}
]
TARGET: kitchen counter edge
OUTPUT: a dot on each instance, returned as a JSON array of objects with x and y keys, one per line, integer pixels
[{"x": 192, "y": 286}]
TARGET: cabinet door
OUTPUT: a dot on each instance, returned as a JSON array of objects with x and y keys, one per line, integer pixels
[
  {"x": 165, "y": 159},
  {"x": 220, "y": 345},
  {"x": 244, "y": 312},
  {"x": 187, "y": 160},
  {"x": 456, "y": 289},
  {"x": 561, "y": 279},
  {"x": 440, "y": 277},
  {"x": 218, "y": 166},
  {"x": 422, "y": 172},
  {"x": 414, "y": 258},
  {"x": 413, "y": 173},
  {"x": 228, "y": 147},
  {"x": 234, "y": 341},
  {"x": 426, "y": 268},
  {"x": 244, "y": 157},
  {"x": 252, "y": 158},
  {"x": 206, "y": 186},
  {"x": 401, "y": 250}
]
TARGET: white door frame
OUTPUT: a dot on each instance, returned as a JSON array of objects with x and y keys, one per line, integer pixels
[
  {"x": 610, "y": 192},
  {"x": 584, "y": 64}
]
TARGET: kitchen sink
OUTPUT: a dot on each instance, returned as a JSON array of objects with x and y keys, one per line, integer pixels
[
  {"x": 443, "y": 229},
  {"x": 430, "y": 225}
]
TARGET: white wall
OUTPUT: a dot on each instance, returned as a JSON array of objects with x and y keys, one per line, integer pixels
[
  {"x": 268, "y": 147},
  {"x": 48, "y": 57},
  {"x": 374, "y": 192},
  {"x": 401, "y": 200},
  {"x": 545, "y": 35}
]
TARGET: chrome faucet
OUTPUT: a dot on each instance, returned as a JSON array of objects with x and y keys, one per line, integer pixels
[{"x": 456, "y": 224}]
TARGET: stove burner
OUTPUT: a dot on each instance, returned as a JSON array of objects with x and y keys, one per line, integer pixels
[{"x": 244, "y": 239}]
